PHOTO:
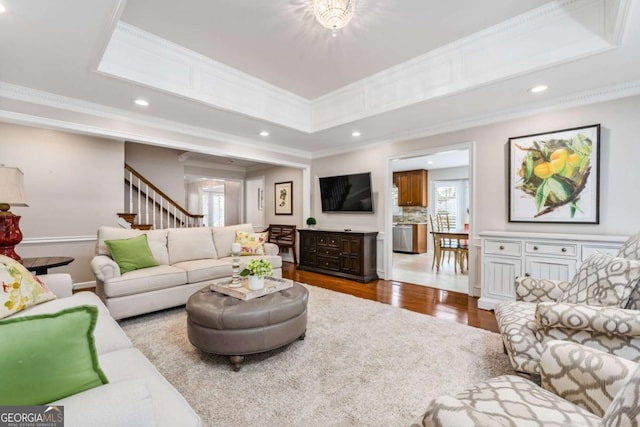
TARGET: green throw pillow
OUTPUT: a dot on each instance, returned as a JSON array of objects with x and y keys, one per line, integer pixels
[
  {"x": 131, "y": 254},
  {"x": 46, "y": 357}
]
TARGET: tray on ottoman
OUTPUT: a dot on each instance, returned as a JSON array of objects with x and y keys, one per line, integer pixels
[{"x": 271, "y": 285}]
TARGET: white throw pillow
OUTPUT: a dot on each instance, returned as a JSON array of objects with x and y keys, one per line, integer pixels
[
  {"x": 603, "y": 280},
  {"x": 186, "y": 244}
]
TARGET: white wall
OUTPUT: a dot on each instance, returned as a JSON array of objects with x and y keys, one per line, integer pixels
[
  {"x": 620, "y": 151},
  {"x": 73, "y": 183}
]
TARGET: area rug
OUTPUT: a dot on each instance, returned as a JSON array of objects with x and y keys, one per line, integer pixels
[{"x": 363, "y": 363}]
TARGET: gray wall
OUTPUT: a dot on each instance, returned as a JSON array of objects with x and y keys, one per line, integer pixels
[
  {"x": 619, "y": 201},
  {"x": 73, "y": 184},
  {"x": 618, "y": 168},
  {"x": 159, "y": 165}
]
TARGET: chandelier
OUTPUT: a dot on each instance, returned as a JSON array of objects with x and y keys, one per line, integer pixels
[{"x": 333, "y": 14}]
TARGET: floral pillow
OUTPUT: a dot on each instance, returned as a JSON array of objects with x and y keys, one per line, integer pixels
[
  {"x": 19, "y": 288},
  {"x": 251, "y": 243}
]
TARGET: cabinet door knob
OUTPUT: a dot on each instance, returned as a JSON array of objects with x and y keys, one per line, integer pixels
[
  {"x": 564, "y": 249},
  {"x": 501, "y": 248},
  {"x": 535, "y": 248}
]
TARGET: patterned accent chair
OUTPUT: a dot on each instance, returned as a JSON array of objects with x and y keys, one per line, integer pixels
[
  {"x": 580, "y": 387},
  {"x": 599, "y": 308}
]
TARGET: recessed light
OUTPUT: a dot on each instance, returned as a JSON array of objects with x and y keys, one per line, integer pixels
[
  {"x": 141, "y": 102},
  {"x": 356, "y": 133},
  {"x": 539, "y": 88},
  {"x": 430, "y": 162},
  {"x": 264, "y": 133}
]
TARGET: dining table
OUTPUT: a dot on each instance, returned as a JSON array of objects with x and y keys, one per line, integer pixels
[{"x": 458, "y": 235}]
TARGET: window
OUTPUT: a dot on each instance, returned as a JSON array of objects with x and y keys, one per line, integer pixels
[
  {"x": 451, "y": 199},
  {"x": 213, "y": 206}
]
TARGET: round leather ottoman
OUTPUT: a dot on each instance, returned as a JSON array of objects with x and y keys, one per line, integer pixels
[{"x": 221, "y": 324}]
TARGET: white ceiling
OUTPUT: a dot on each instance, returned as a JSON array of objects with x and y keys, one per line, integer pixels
[{"x": 51, "y": 52}]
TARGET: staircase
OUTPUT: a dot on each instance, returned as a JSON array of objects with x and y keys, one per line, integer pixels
[{"x": 147, "y": 207}]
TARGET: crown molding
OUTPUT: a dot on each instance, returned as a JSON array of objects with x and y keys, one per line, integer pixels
[
  {"x": 136, "y": 55},
  {"x": 604, "y": 94},
  {"x": 525, "y": 43},
  {"x": 139, "y": 121}
]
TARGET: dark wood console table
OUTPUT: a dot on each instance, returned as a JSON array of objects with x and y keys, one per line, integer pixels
[
  {"x": 40, "y": 265},
  {"x": 346, "y": 254}
]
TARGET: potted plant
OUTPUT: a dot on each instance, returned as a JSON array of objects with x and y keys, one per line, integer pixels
[
  {"x": 311, "y": 222},
  {"x": 256, "y": 270}
]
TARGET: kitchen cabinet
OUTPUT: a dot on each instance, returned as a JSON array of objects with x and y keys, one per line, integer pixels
[
  {"x": 412, "y": 187},
  {"x": 508, "y": 255},
  {"x": 351, "y": 255}
]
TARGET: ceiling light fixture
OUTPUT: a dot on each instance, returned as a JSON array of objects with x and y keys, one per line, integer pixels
[
  {"x": 539, "y": 88},
  {"x": 141, "y": 102},
  {"x": 264, "y": 133},
  {"x": 356, "y": 133},
  {"x": 333, "y": 14},
  {"x": 2, "y": 8}
]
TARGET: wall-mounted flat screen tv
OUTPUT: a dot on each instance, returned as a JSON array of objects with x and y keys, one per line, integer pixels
[{"x": 346, "y": 193}]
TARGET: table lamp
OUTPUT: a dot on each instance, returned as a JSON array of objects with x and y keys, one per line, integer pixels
[{"x": 11, "y": 193}]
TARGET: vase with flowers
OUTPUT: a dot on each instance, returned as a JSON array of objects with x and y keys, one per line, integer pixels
[{"x": 255, "y": 271}]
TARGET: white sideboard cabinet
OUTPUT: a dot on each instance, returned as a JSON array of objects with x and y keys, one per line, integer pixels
[{"x": 507, "y": 255}]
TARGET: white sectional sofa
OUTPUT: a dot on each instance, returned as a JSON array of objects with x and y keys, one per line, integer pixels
[
  {"x": 137, "y": 394},
  {"x": 188, "y": 258}
]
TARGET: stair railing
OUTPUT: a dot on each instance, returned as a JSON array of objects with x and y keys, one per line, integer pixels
[{"x": 154, "y": 208}]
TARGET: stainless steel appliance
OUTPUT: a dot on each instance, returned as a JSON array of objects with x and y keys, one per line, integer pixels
[{"x": 403, "y": 238}]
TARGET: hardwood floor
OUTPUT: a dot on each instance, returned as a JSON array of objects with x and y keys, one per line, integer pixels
[{"x": 446, "y": 305}]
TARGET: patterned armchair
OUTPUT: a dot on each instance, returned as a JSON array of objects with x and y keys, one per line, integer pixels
[
  {"x": 598, "y": 308},
  {"x": 580, "y": 387}
]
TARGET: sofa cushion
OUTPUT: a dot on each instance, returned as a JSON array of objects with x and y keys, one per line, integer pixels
[
  {"x": 131, "y": 254},
  {"x": 200, "y": 270},
  {"x": 251, "y": 243},
  {"x": 186, "y": 244},
  {"x": 157, "y": 240},
  {"x": 169, "y": 406},
  {"x": 49, "y": 356},
  {"x": 604, "y": 281},
  {"x": 20, "y": 289},
  {"x": 145, "y": 280},
  {"x": 224, "y": 237},
  {"x": 123, "y": 403}
]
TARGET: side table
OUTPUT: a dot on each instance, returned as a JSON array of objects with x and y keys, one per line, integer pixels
[{"x": 40, "y": 265}]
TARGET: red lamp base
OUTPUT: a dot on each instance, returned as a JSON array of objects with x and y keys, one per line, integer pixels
[{"x": 10, "y": 234}]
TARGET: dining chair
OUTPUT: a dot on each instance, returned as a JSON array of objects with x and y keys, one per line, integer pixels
[{"x": 442, "y": 245}]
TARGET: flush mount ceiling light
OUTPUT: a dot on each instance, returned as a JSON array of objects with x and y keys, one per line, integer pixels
[
  {"x": 141, "y": 102},
  {"x": 333, "y": 14},
  {"x": 537, "y": 89}
]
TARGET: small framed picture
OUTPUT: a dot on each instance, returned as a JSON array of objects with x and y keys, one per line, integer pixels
[
  {"x": 554, "y": 176},
  {"x": 284, "y": 198}
]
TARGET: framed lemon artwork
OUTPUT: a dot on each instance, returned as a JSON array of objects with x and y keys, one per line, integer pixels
[{"x": 554, "y": 176}]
